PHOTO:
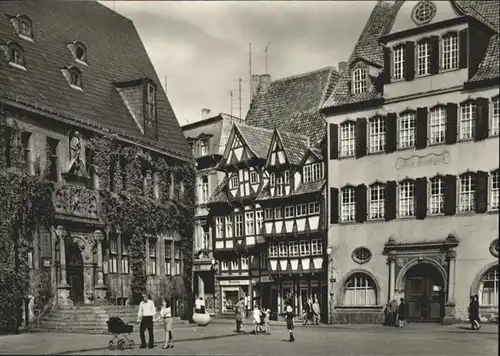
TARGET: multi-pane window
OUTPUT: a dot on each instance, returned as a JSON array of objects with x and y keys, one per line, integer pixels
[
  {"x": 377, "y": 134},
  {"x": 224, "y": 265},
  {"x": 494, "y": 196},
  {"x": 286, "y": 176},
  {"x": 219, "y": 227},
  {"x": 313, "y": 172},
  {"x": 347, "y": 139},
  {"x": 278, "y": 213},
  {"x": 259, "y": 223},
  {"x": 495, "y": 116},
  {"x": 272, "y": 179},
  {"x": 229, "y": 226},
  {"x": 467, "y": 120},
  {"x": 152, "y": 256},
  {"x": 436, "y": 196},
  {"x": 467, "y": 193},
  {"x": 437, "y": 124},
  {"x": 244, "y": 263},
  {"x": 125, "y": 265},
  {"x": 407, "y": 130},
  {"x": 168, "y": 257},
  {"x": 254, "y": 177},
  {"x": 268, "y": 214},
  {"x": 249, "y": 224},
  {"x": 113, "y": 254},
  {"x": 398, "y": 59},
  {"x": 289, "y": 212},
  {"x": 348, "y": 206},
  {"x": 238, "y": 225},
  {"x": 177, "y": 258},
  {"x": 235, "y": 265},
  {"x": 273, "y": 250},
  {"x": 488, "y": 288},
  {"x": 360, "y": 290},
  {"x": 423, "y": 58},
  {"x": 301, "y": 210},
  {"x": 203, "y": 147},
  {"x": 235, "y": 180},
  {"x": 377, "y": 201},
  {"x": 293, "y": 248},
  {"x": 305, "y": 248},
  {"x": 359, "y": 80},
  {"x": 449, "y": 52},
  {"x": 314, "y": 208},
  {"x": 204, "y": 190},
  {"x": 16, "y": 55},
  {"x": 280, "y": 186},
  {"x": 407, "y": 198},
  {"x": 316, "y": 247},
  {"x": 283, "y": 249}
]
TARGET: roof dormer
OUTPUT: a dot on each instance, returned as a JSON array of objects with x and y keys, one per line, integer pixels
[
  {"x": 79, "y": 51},
  {"x": 22, "y": 26},
  {"x": 363, "y": 76}
]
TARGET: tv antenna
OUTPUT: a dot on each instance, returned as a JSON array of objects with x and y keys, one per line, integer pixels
[{"x": 267, "y": 47}]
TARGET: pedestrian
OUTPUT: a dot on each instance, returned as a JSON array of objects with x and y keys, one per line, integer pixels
[
  {"x": 394, "y": 310},
  {"x": 401, "y": 313},
  {"x": 239, "y": 314},
  {"x": 267, "y": 317},
  {"x": 289, "y": 315},
  {"x": 305, "y": 311},
  {"x": 310, "y": 311},
  {"x": 470, "y": 310},
  {"x": 388, "y": 314},
  {"x": 475, "y": 312},
  {"x": 316, "y": 311},
  {"x": 145, "y": 316},
  {"x": 166, "y": 315},
  {"x": 256, "y": 319}
]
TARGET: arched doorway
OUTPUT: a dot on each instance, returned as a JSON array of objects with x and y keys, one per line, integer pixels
[
  {"x": 425, "y": 293},
  {"x": 74, "y": 272}
]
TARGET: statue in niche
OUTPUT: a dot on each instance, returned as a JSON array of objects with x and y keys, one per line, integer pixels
[{"x": 76, "y": 163}]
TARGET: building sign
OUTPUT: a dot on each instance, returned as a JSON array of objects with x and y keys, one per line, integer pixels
[
  {"x": 266, "y": 279},
  {"x": 416, "y": 161},
  {"x": 304, "y": 284},
  {"x": 232, "y": 282},
  {"x": 287, "y": 284}
]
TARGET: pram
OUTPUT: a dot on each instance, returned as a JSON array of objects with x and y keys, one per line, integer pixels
[{"x": 120, "y": 331}]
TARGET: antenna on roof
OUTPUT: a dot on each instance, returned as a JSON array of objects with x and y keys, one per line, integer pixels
[
  {"x": 231, "y": 102},
  {"x": 250, "y": 69},
  {"x": 239, "y": 90},
  {"x": 267, "y": 47}
]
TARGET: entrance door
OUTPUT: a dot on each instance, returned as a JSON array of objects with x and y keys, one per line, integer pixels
[
  {"x": 74, "y": 272},
  {"x": 304, "y": 295},
  {"x": 424, "y": 293}
]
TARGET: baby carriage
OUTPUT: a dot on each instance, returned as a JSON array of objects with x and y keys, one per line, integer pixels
[{"x": 120, "y": 331}]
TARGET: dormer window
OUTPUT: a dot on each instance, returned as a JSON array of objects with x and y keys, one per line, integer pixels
[
  {"x": 149, "y": 105},
  {"x": 16, "y": 55},
  {"x": 423, "y": 12},
  {"x": 23, "y": 26},
  {"x": 203, "y": 147},
  {"x": 75, "y": 77},
  {"x": 359, "y": 80},
  {"x": 398, "y": 60},
  {"x": 449, "y": 51}
]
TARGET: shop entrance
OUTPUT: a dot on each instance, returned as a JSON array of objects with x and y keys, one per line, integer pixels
[
  {"x": 74, "y": 272},
  {"x": 424, "y": 293}
]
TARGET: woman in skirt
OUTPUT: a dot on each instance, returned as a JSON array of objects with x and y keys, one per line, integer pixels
[{"x": 166, "y": 315}]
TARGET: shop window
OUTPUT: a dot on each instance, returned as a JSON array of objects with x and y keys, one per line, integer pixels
[
  {"x": 360, "y": 290},
  {"x": 488, "y": 288}
]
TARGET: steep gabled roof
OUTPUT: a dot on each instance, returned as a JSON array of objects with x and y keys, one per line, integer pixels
[
  {"x": 219, "y": 195},
  {"x": 292, "y": 104},
  {"x": 257, "y": 139},
  {"x": 115, "y": 54},
  {"x": 489, "y": 66},
  {"x": 294, "y": 146}
]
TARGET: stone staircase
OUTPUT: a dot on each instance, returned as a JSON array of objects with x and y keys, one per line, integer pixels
[{"x": 87, "y": 319}]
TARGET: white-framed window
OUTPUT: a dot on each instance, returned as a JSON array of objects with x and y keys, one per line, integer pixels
[
  {"x": 219, "y": 227},
  {"x": 407, "y": 198},
  {"x": 168, "y": 257},
  {"x": 278, "y": 213},
  {"x": 317, "y": 171},
  {"x": 495, "y": 117},
  {"x": 235, "y": 181},
  {"x": 407, "y": 129},
  {"x": 301, "y": 210},
  {"x": 467, "y": 121},
  {"x": 273, "y": 250},
  {"x": 205, "y": 242},
  {"x": 494, "y": 190},
  {"x": 398, "y": 60},
  {"x": 254, "y": 177},
  {"x": 229, "y": 226},
  {"x": 314, "y": 208},
  {"x": 113, "y": 254},
  {"x": 377, "y": 134},
  {"x": 436, "y": 196},
  {"x": 244, "y": 263},
  {"x": 238, "y": 225},
  {"x": 203, "y": 190},
  {"x": 152, "y": 257},
  {"x": 348, "y": 204},
  {"x": 263, "y": 260},
  {"x": 437, "y": 123},
  {"x": 203, "y": 147},
  {"x": 307, "y": 177},
  {"x": 268, "y": 214},
  {"x": 16, "y": 54},
  {"x": 359, "y": 80},
  {"x": 125, "y": 265},
  {"x": 377, "y": 201},
  {"x": 283, "y": 249},
  {"x": 259, "y": 222},
  {"x": 305, "y": 248},
  {"x": 289, "y": 212},
  {"x": 224, "y": 265},
  {"x": 360, "y": 290},
  {"x": 488, "y": 288},
  {"x": 280, "y": 186},
  {"x": 293, "y": 248},
  {"x": 423, "y": 58},
  {"x": 177, "y": 258},
  {"x": 467, "y": 191},
  {"x": 235, "y": 266},
  {"x": 449, "y": 51},
  {"x": 286, "y": 176},
  {"x": 249, "y": 224},
  {"x": 272, "y": 179},
  {"x": 347, "y": 139},
  {"x": 316, "y": 247}
]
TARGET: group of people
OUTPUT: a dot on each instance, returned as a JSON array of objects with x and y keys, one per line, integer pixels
[
  {"x": 145, "y": 317},
  {"x": 474, "y": 318},
  {"x": 395, "y": 314},
  {"x": 311, "y": 312}
]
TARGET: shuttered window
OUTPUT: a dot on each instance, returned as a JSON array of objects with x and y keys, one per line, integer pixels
[
  {"x": 482, "y": 119},
  {"x": 494, "y": 190},
  {"x": 449, "y": 51},
  {"x": 398, "y": 60},
  {"x": 481, "y": 192},
  {"x": 334, "y": 205},
  {"x": 377, "y": 201},
  {"x": 451, "y": 123},
  {"x": 377, "y": 132},
  {"x": 421, "y": 128},
  {"x": 495, "y": 117},
  {"x": 437, "y": 125},
  {"x": 390, "y": 200},
  {"x": 347, "y": 139},
  {"x": 450, "y": 194},
  {"x": 406, "y": 198},
  {"x": 334, "y": 141},
  {"x": 360, "y": 137},
  {"x": 407, "y": 130},
  {"x": 361, "y": 203},
  {"x": 348, "y": 204},
  {"x": 421, "y": 198},
  {"x": 391, "y": 133},
  {"x": 423, "y": 58},
  {"x": 409, "y": 66},
  {"x": 467, "y": 191},
  {"x": 467, "y": 120},
  {"x": 436, "y": 196}
]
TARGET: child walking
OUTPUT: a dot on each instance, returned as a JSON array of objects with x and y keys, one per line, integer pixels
[
  {"x": 289, "y": 315},
  {"x": 267, "y": 316},
  {"x": 256, "y": 319},
  {"x": 166, "y": 315}
]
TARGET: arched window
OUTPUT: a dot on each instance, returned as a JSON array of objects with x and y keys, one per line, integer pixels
[
  {"x": 488, "y": 288},
  {"x": 80, "y": 51},
  {"x": 16, "y": 54},
  {"x": 75, "y": 77},
  {"x": 204, "y": 190},
  {"x": 347, "y": 138},
  {"x": 360, "y": 290},
  {"x": 25, "y": 27},
  {"x": 348, "y": 204}
]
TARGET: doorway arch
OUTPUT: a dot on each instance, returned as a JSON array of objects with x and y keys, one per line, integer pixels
[
  {"x": 74, "y": 272},
  {"x": 424, "y": 290}
]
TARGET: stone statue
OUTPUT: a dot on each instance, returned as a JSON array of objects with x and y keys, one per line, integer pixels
[
  {"x": 75, "y": 147},
  {"x": 76, "y": 163}
]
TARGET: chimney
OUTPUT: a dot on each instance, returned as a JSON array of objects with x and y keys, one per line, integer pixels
[
  {"x": 342, "y": 66},
  {"x": 205, "y": 114},
  {"x": 264, "y": 81},
  {"x": 255, "y": 84}
]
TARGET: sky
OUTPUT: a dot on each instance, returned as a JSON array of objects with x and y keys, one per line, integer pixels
[{"x": 202, "y": 47}]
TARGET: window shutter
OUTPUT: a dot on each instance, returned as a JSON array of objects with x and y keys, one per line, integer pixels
[
  {"x": 463, "y": 48},
  {"x": 421, "y": 141},
  {"x": 360, "y": 137},
  {"x": 390, "y": 200},
  {"x": 391, "y": 133},
  {"x": 434, "y": 45},
  {"x": 482, "y": 118},
  {"x": 450, "y": 194},
  {"x": 410, "y": 61},
  {"x": 481, "y": 198},
  {"x": 451, "y": 123},
  {"x": 361, "y": 203},
  {"x": 334, "y": 141},
  {"x": 334, "y": 206},
  {"x": 387, "y": 63},
  {"x": 421, "y": 198}
]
